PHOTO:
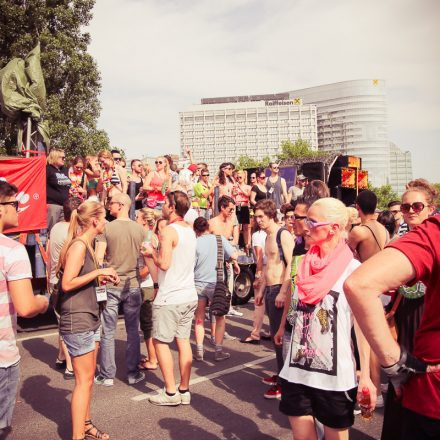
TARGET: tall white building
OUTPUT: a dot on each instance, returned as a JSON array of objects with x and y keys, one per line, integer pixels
[
  {"x": 221, "y": 132},
  {"x": 400, "y": 168},
  {"x": 351, "y": 117}
]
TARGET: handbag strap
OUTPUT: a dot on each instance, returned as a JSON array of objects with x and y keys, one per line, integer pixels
[
  {"x": 220, "y": 273},
  {"x": 395, "y": 305}
]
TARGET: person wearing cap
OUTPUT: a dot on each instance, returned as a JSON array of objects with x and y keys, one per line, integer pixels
[{"x": 297, "y": 190}]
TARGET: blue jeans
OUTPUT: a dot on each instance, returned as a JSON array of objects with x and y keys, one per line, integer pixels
[
  {"x": 9, "y": 378},
  {"x": 131, "y": 301},
  {"x": 274, "y": 314}
]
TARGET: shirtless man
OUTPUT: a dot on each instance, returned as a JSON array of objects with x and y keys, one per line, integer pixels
[
  {"x": 276, "y": 280},
  {"x": 225, "y": 222},
  {"x": 367, "y": 240}
]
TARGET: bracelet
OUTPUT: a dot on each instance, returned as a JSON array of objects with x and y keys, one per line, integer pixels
[{"x": 155, "y": 285}]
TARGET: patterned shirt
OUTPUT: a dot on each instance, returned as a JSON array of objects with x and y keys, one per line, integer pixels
[{"x": 14, "y": 265}]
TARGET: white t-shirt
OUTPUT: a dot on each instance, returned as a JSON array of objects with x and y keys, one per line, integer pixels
[
  {"x": 320, "y": 353},
  {"x": 259, "y": 240},
  {"x": 58, "y": 235}
]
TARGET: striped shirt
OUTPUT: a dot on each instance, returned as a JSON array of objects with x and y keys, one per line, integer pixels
[{"x": 14, "y": 265}]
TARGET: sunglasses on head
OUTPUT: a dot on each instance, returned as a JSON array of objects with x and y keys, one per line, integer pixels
[{"x": 416, "y": 207}]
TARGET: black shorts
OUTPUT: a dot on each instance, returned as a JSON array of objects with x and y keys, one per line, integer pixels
[
  {"x": 332, "y": 408},
  {"x": 243, "y": 216}
]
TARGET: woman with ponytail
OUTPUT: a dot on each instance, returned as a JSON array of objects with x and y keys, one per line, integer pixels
[{"x": 80, "y": 294}]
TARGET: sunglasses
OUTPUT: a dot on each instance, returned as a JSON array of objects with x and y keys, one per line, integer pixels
[
  {"x": 158, "y": 162},
  {"x": 289, "y": 216},
  {"x": 117, "y": 158},
  {"x": 205, "y": 175},
  {"x": 253, "y": 178},
  {"x": 261, "y": 177},
  {"x": 275, "y": 167},
  {"x": 311, "y": 224},
  {"x": 79, "y": 168},
  {"x": 300, "y": 217},
  {"x": 416, "y": 207},
  {"x": 63, "y": 157},
  {"x": 12, "y": 203}
]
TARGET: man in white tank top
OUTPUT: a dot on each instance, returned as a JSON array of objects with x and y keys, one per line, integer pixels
[{"x": 176, "y": 299}]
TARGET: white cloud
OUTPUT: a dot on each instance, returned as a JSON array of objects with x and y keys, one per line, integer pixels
[{"x": 159, "y": 57}]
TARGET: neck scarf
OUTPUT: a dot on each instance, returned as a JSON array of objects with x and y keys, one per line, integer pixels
[{"x": 317, "y": 275}]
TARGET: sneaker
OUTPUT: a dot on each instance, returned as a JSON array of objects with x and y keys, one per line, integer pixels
[
  {"x": 60, "y": 365},
  {"x": 221, "y": 356},
  {"x": 185, "y": 398},
  {"x": 357, "y": 410},
  {"x": 273, "y": 392},
  {"x": 228, "y": 337},
  {"x": 379, "y": 402},
  {"x": 199, "y": 355},
  {"x": 270, "y": 380},
  {"x": 101, "y": 380},
  {"x": 163, "y": 399},
  {"x": 68, "y": 375},
  {"x": 137, "y": 378},
  {"x": 212, "y": 341},
  {"x": 233, "y": 312}
]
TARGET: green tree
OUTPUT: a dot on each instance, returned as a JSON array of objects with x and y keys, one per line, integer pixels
[
  {"x": 298, "y": 149},
  {"x": 72, "y": 78},
  {"x": 437, "y": 199},
  {"x": 385, "y": 195},
  {"x": 245, "y": 161}
]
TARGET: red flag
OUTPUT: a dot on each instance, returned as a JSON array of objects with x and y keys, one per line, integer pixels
[{"x": 29, "y": 176}]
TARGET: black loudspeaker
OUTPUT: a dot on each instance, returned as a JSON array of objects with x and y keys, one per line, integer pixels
[
  {"x": 314, "y": 170},
  {"x": 345, "y": 195}
]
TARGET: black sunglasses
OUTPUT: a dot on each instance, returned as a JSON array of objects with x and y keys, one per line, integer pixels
[
  {"x": 117, "y": 158},
  {"x": 205, "y": 175},
  {"x": 158, "y": 162},
  {"x": 14, "y": 204},
  {"x": 416, "y": 207},
  {"x": 299, "y": 217}
]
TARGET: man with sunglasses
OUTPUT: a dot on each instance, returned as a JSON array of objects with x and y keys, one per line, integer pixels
[
  {"x": 203, "y": 192},
  {"x": 16, "y": 298},
  {"x": 117, "y": 157},
  {"x": 276, "y": 186},
  {"x": 401, "y": 226}
]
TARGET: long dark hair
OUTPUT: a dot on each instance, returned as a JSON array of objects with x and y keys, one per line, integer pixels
[{"x": 221, "y": 174}]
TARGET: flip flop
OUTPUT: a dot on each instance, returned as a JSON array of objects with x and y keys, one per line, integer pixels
[
  {"x": 141, "y": 366},
  {"x": 250, "y": 340}
]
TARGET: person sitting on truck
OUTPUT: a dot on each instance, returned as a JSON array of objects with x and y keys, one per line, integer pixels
[{"x": 16, "y": 298}]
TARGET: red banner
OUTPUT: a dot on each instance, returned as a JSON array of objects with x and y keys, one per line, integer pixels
[{"x": 29, "y": 176}]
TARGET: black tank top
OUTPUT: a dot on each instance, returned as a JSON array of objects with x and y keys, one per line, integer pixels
[{"x": 79, "y": 308}]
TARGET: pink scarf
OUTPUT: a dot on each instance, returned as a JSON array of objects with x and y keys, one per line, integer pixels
[{"x": 317, "y": 275}]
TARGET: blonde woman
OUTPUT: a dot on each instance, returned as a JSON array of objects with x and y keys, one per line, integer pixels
[
  {"x": 57, "y": 186},
  {"x": 80, "y": 322},
  {"x": 157, "y": 184},
  {"x": 113, "y": 176}
]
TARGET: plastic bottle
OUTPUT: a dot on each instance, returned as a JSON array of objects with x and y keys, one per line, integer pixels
[{"x": 364, "y": 403}]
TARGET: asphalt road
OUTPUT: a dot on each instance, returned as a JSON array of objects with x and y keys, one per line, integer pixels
[{"x": 227, "y": 397}]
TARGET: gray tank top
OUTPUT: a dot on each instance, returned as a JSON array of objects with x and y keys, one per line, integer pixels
[
  {"x": 79, "y": 308},
  {"x": 275, "y": 193}
]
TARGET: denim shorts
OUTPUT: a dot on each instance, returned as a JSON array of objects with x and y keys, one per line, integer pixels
[
  {"x": 9, "y": 378},
  {"x": 81, "y": 343},
  {"x": 206, "y": 292}
]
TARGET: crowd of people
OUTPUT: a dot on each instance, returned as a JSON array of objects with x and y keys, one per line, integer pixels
[{"x": 347, "y": 290}]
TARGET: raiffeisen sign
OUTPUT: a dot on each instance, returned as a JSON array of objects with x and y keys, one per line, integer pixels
[{"x": 296, "y": 101}]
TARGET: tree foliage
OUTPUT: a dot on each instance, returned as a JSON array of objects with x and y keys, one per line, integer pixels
[
  {"x": 298, "y": 149},
  {"x": 385, "y": 195},
  {"x": 71, "y": 75},
  {"x": 244, "y": 162}
]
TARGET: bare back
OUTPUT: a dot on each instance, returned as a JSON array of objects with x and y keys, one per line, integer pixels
[{"x": 368, "y": 239}]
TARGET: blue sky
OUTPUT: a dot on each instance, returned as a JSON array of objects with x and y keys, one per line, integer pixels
[{"x": 158, "y": 57}]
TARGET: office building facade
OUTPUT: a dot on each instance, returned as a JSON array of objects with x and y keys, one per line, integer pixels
[
  {"x": 400, "y": 169},
  {"x": 221, "y": 132}
]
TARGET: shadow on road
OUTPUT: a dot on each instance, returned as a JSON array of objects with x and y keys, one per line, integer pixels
[
  {"x": 50, "y": 402},
  {"x": 180, "y": 429},
  {"x": 41, "y": 350},
  {"x": 236, "y": 426}
]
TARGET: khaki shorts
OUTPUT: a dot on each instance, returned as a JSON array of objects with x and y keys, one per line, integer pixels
[{"x": 173, "y": 321}]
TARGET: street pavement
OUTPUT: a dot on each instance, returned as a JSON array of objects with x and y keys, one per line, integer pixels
[{"x": 227, "y": 397}]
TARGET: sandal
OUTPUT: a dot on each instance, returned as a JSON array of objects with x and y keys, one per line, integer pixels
[
  {"x": 142, "y": 365},
  {"x": 98, "y": 435},
  {"x": 250, "y": 340}
]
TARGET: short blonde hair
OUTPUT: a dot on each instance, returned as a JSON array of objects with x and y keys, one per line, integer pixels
[
  {"x": 105, "y": 154},
  {"x": 54, "y": 155},
  {"x": 333, "y": 210},
  {"x": 353, "y": 214}
]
